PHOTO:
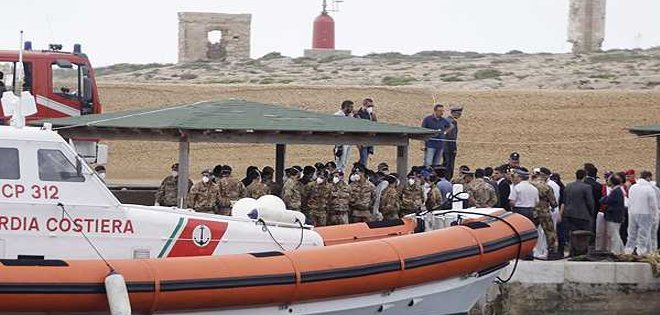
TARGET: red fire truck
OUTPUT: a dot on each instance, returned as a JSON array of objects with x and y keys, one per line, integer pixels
[
  {"x": 62, "y": 82},
  {"x": 63, "y": 86}
]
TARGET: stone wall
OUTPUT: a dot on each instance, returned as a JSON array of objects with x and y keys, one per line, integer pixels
[
  {"x": 586, "y": 25},
  {"x": 193, "y": 36},
  {"x": 565, "y": 287}
]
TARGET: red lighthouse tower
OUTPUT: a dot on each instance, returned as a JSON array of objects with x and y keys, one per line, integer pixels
[
  {"x": 324, "y": 30},
  {"x": 323, "y": 38}
]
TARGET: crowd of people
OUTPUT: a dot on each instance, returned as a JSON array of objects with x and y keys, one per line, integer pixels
[{"x": 620, "y": 211}]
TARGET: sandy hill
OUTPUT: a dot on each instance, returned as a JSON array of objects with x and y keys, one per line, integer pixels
[
  {"x": 557, "y": 129},
  {"x": 446, "y": 70}
]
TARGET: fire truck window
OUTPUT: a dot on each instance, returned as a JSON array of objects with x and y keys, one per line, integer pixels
[
  {"x": 55, "y": 167},
  {"x": 9, "y": 168},
  {"x": 7, "y": 69},
  {"x": 65, "y": 80}
]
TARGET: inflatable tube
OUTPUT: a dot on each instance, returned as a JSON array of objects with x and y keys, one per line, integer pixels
[{"x": 234, "y": 281}]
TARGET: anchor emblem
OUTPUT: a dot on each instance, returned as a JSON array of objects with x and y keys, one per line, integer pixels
[{"x": 201, "y": 235}]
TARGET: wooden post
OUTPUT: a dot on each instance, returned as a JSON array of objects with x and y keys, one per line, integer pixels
[
  {"x": 184, "y": 167},
  {"x": 402, "y": 160},
  {"x": 280, "y": 162},
  {"x": 657, "y": 160}
]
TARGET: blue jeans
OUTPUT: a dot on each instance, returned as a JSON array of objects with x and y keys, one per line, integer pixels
[
  {"x": 432, "y": 156},
  {"x": 342, "y": 160},
  {"x": 364, "y": 154}
]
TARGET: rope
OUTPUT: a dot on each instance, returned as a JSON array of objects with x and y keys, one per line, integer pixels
[
  {"x": 98, "y": 252},
  {"x": 266, "y": 229}
]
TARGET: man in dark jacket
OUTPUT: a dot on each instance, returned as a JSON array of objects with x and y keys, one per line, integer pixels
[
  {"x": 579, "y": 202},
  {"x": 596, "y": 191},
  {"x": 366, "y": 112},
  {"x": 503, "y": 187}
]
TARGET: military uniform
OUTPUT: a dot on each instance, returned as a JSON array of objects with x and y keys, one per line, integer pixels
[
  {"x": 338, "y": 204},
  {"x": 256, "y": 189},
  {"x": 390, "y": 203},
  {"x": 231, "y": 190},
  {"x": 412, "y": 198},
  {"x": 273, "y": 188},
  {"x": 204, "y": 197},
  {"x": 433, "y": 198},
  {"x": 168, "y": 191},
  {"x": 482, "y": 194},
  {"x": 361, "y": 200},
  {"x": 291, "y": 194},
  {"x": 458, "y": 180},
  {"x": 317, "y": 202},
  {"x": 542, "y": 214}
]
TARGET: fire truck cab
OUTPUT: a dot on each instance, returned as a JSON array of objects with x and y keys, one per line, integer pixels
[
  {"x": 62, "y": 82},
  {"x": 63, "y": 85}
]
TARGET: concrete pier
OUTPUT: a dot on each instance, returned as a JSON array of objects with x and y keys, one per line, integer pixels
[{"x": 565, "y": 287}]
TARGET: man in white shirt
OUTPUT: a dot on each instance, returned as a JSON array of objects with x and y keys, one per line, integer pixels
[
  {"x": 642, "y": 213},
  {"x": 343, "y": 152},
  {"x": 523, "y": 197}
]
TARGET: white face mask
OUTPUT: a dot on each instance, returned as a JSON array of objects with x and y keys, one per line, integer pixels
[
  {"x": 206, "y": 179},
  {"x": 411, "y": 181},
  {"x": 175, "y": 173},
  {"x": 370, "y": 110},
  {"x": 427, "y": 185},
  {"x": 301, "y": 175},
  {"x": 335, "y": 179},
  {"x": 319, "y": 180},
  {"x": 102, "y": 175},
  {"x": 355, "y": 177}
]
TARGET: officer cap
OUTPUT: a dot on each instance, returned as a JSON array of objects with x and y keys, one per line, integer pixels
[
  {"x": 175, "y": 166},
  {"x": 545, "y": 171},
  {"x": 319, "y": 166},
  {"x": 309, "y": 170},
  {"x": 268, "y": 171},
  {"x": 217, "y": 169},
  {"x": 457, "y": 109},
  {"x": 464, "y": 169},
  {"x": 479, "y": 173},
  {"x": 383, "y": 167},
  {"x": 226, "y": 169},
  {"x": 331, "y": 164},
  {"x": 515, "y": 156},
  {"x": 297, "y": 168},
  {"x": 522, "y": 171},
  {"x": 359, "y": 168}
]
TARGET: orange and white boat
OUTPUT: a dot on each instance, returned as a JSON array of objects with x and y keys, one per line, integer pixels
[{"x": 68, "y": 246}]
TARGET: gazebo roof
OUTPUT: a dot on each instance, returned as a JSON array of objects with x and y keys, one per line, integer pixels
[
  {"x": 645, "y": 130},
  {"x": 236, "y": 121}
]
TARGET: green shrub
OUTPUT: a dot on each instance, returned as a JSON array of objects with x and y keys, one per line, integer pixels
[{"x": 487, "y": 74}]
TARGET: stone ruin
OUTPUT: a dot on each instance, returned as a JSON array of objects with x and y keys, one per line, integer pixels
[
  {"x": 213, "y": 36},
  {"x": 586, "y": 25}
]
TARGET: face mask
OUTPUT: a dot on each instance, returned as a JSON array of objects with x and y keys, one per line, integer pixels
[
  {"x": 175, "y": 173},
  {"x": 102, "y": 175},
  {"x": 370, "y": 110},
  {"x": 411, "y": 181},
  {"x": 335, "y": 180},
  {"x": 301, "y": 175},
  {"x": 205, "y": 179},
  {"x": 319, "y": 180},
  {"x": 356, "y": 177},
  {"x": 427, "y": 185}
]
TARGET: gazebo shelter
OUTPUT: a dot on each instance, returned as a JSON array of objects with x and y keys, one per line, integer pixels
[
  {"x": 650, "y": 131},
  {"x": 239, "y": 121}
]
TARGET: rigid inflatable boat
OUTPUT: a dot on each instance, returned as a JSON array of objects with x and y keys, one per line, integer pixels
[
  {"x": 436, "y": 272},
  {"x": 68, "y": 246}
]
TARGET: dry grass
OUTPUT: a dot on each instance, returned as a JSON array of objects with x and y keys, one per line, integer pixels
[{"x": 505, "y": 121}]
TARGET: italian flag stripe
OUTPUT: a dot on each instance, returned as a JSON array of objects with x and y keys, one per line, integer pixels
[{"x": 171, "y": 238}]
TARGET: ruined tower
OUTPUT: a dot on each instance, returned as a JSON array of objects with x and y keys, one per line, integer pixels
[
  {"x": 586, "y": 25},
  {"x": 213, "y": 36}
]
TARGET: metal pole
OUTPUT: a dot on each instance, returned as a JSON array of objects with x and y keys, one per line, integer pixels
[
  {"x": 182, "y": 183},
  {"x": 280, "y": 162},
  {"x": 402, "y": 160}
]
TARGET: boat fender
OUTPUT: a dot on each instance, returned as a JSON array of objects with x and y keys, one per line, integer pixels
[
  {"x": 290, "y": 216},
  {"x": 270, "y": 208},
  {"x": 118, "y": 300}
]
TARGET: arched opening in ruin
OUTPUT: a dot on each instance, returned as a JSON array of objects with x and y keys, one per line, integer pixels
[{"x": 216, "y": 45}]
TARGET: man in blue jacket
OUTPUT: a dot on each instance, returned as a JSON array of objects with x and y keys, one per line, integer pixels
[{"x": 435, "y": 146}]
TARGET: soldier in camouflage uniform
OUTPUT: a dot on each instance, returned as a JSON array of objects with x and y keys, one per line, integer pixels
[
  {"x": 338, "y": 205},
  {"x": 256, "y": 188},
  {"x": 362, "y": 194},
  {"x": 542, "y": 211},
  {"x": 482, "y": 194},
  {"x": 231, "y": 190},
  {"x": 434, "y": 196},
  {"x": 204, "y": 195},
  {"x": 272, "y": 187},
  {"x": 390, "y": 201},
  {"x": 412, "y": 195},
  {"x": 318, "y": 193},
  {"x": 292, "y": 190},
  {"x": 167, "y": 193}
]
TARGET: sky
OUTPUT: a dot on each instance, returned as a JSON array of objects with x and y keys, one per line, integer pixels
[{"x": 144, "y": 31}]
